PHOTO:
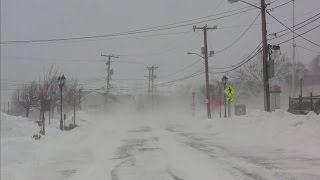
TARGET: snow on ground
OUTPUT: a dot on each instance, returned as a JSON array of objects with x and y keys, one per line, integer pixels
[{"x": 164, "y": 145}]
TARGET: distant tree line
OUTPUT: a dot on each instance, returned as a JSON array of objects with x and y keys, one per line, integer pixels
[{"x": 44, "y": 95}]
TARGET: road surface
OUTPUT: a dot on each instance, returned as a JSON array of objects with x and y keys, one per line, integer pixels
[{"x": 142, "y": 148}]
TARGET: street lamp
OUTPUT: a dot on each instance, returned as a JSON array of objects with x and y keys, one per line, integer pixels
[
  {"x": 224, "y": 81},
  {"x": 62, "y": 81},
  {"x": 192, "y": 53}
]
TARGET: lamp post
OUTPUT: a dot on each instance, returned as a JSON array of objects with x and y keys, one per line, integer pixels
[
  {"x": 207, "y": 80},
  {"x": 224, "y": 81},
  {"x": 62, "y": 81}
]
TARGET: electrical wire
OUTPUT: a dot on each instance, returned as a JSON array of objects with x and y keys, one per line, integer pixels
[
  {"x": 271, "y": 9},
  {"x": 300, "y": 34},
  {"x": 217, "y": 7},
  {"x": 277, "y": 36},
  {"x": 139, "y": 31},
  {"x": 181, "y": 70},
  {"x": 243, "y": 63},
  {"x": 235, "y": 41},
  {"x": 293, "y": 31},
  {"x": 232, "y": 66},
  {"x": 197, "y": 73}
]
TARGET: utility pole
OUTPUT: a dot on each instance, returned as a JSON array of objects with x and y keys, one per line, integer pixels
[
  {"x": 265, "y": 58},
  {"x": 220, "y": 92},
  {"x": 193, "y": 103},
  {"x": 224, "y": 81},
  {"x": 205, "y": 29},
  {"x": 110, "y": 72},
  {"x": 293, "y": 52},
  {"x": 8, "y": 110},
  {"x": 74, "y": 108},
  {"x": 149, "y": 81},
  {"x": 151, "y": 77}
]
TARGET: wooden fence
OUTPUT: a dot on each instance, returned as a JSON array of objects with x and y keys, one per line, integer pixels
[{"x": 303, "y": 105}]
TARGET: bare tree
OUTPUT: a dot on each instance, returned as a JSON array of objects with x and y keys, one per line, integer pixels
[
  {"x": 43, "y": 94},
  {"x": 53, "y": 96},
  {"x": 45, "y": 86},
  {"x": 250, "y": 75},
  {"x": 26, "y": 97},
  {"x": 73, "y": 96},
  {"x": 315, "y": 65},
  {"x": 71, "y": 91}
]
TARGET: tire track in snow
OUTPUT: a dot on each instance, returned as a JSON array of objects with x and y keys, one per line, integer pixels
[
  {"x": 272, "y": 164},
  {"x": 141, "y": 157},
  {"x": 215, "y": 152}
]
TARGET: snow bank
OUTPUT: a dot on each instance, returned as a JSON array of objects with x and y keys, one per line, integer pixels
[
  {"x": 21, "y": 153},
  {"x": 12, "y": 126},
  {"x": 261, "y": 130}
]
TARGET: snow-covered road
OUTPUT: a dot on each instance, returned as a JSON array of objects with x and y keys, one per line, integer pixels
[{"x": 258, "y": 146}]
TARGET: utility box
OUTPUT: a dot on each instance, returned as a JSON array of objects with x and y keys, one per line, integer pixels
[
  {"x": 275, "y": 92},
  {"x": 239, "y": 109},
  {"x": 271, "y": 68}
]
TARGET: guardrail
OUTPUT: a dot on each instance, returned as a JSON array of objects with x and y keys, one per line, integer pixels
[{"x": 303, "y": 105}]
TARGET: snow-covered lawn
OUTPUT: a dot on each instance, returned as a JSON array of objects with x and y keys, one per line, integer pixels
[{"x": 164, "y": 145}]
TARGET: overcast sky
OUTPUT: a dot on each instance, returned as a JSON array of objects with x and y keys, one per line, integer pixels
[{"x": 46, "y": 19}]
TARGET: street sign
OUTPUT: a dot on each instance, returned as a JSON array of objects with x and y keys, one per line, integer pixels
[
  {"x": 230, "y": 91},
  {"x": 215, "y": 101},
  {"x": 230, "y": 98}
]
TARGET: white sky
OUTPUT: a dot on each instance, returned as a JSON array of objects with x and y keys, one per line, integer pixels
[{"x": 47, "y": 19}]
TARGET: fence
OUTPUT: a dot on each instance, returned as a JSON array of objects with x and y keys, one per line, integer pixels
[{"x": 303, "y": 105}]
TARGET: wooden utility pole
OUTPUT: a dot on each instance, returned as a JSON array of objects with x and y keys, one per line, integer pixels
[
  {"x": 151, "y": 76},
  {"x": 74, "y": 108},
  {"x": 293, "y": 53},
  {"x": 205, "y": 29},
  {"x": 149, "y": 81},
  {"x": 265, "y": 58},
  {"x": 110, "y": 72},
  {"x": 8, "y": 110}
]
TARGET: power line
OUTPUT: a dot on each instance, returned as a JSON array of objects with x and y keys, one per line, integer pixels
[
  {"x": 302, "y": 47},
  {"x": 217, "y": 7},
  {"x": 287, "y": 19},
  {"x": 232, "y": 66},
  {"x": 300, "y": 34},
  {"x": 293, "y": 31},
  {"x": 250, "y": 58},
  {"x": 235, "y": 41},
  {"x": 181, "y": 70},
  {"x": 139, "y": 31},
  {"x": 183, "y": 78},
  {"x": 271, "y": 9},
  {"x": 277, "y": 36},
  {"x": 246, "y": 61}
]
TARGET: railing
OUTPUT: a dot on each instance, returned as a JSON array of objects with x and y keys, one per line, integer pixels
[{"x": 303, "y": 105}]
